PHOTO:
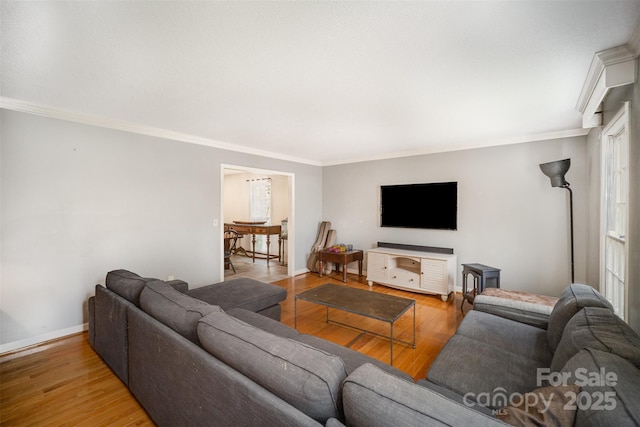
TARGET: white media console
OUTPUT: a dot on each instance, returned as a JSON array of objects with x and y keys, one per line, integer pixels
[{"x": 413, "y": 270}]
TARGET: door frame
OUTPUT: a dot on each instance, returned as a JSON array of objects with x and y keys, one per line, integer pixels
[
  {"x": 618, "y": 124},
  {"x": 291, "y": 225}
]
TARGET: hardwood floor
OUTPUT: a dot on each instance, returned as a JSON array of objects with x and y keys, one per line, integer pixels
[
  {"x": 66, "y": 383},
  {"x": 258, "y": 270},
  {"x": 436, "y": 322}
]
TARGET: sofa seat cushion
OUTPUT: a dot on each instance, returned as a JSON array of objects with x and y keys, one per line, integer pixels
[
  {"x": 600, "y": 329},
  {"x": 352, "y": 359},
  {"x": 246, "y": 293},
  {"x": 126, "y": 284},
  {"x": 482, "y": 372},
  {"x": 574, "y": 298},
  {"x": 307, "y": 378},
  {"x": 265, "y": 323},
  {"x": 178, "y": 311},
  {"x": 515, "y": 337},
  {"x": 609, "y": 389},
  {"x": 373, "y": 397}
]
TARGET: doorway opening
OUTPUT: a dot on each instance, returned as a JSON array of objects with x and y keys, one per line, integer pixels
[{"x": 265, "y": 200}]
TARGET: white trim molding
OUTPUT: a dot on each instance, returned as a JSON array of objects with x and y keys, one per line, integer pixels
[
  {"x": 121, "y": 125},
  {"x": 109, "y": 123},
  {"x": 41, "y": 339},
  {"x": 634, "y": 43},
  {"x": 609, "y": 68}
]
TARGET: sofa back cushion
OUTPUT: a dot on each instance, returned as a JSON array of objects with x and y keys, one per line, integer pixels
[
  {"x": 126, "y": 284},
  {"x": 600, "y": 329},
  {"x": 178, "y": 311},
  {"x": 373, "y": 397},
  {"x": 305, "y": 377},
  {"x": 573, "y": 299},
  {"x": 609, "y": 392}
]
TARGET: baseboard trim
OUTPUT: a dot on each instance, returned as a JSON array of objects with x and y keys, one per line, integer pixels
[{"x": 41, "y": 339}]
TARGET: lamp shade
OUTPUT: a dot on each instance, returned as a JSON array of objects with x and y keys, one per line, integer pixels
[{"x": 556, "y": 171}]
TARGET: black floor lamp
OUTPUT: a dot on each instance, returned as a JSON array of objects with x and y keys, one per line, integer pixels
[{"x": 556, "y": 171}]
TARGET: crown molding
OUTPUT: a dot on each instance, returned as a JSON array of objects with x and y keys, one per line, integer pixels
[
  {"x": 121, "y": 125},
  {"x": 569, "y": 133},
  {"x": 40, "y": 110},
  {"x": 609, "y": 68}
]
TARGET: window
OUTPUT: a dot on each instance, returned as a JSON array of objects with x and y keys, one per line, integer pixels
[{"x": 260, "y": 206}]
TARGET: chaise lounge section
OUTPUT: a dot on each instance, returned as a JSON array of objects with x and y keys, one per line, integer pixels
[{"x": 109, "y": 335}]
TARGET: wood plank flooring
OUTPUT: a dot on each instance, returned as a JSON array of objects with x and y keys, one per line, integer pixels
[{"x": 66, "y": 383}]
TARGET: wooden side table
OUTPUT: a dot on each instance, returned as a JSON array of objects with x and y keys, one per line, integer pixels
[
  {"x": 483, "y": 277},
  {"x": 341, "y": 258}
]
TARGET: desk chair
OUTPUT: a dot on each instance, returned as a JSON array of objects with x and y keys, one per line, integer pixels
[{"x": 230, "y": 240}]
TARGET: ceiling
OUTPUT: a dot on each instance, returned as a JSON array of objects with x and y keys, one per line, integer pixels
[{"x": 317, "y": 82}]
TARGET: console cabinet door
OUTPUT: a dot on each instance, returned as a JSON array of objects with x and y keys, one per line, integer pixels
[
  {"x": 376, "y": 267},
  {"x": 434, "y": 275}
]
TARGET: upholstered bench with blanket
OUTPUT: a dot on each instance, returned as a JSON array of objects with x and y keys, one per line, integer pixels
[{"x": 525, "y": 307}]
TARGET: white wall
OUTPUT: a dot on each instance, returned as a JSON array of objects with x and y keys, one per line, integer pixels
[
  {"x": 77, "y": 201},
  {"x": 236, "y": 198},
  {"x": 509, "y": 216}
]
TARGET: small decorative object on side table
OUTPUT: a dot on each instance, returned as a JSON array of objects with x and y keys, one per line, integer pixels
[{"x": 483, "y": 277}]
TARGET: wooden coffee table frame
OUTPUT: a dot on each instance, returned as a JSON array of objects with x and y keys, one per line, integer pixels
[{"x": 374, "y": 305}]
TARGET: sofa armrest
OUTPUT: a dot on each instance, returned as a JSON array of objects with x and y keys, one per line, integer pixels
[
  {"x": 372, "y": 396},
  {"x": 179, "y": 285},
  {"x": 92, "y": 321},
  {"x": 521, "y": 311}
]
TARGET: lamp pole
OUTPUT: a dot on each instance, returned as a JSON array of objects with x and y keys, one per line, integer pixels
[
  {"x": 556, "y": 171},
  {"x": 571, "y": 220}
]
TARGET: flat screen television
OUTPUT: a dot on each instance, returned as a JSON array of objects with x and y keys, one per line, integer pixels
[{"x": 429, "y": 206}]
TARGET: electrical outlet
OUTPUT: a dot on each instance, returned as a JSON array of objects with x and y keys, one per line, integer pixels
[
  {"x": 215, "y": 222},
  {"x": 171, "y": 278}
]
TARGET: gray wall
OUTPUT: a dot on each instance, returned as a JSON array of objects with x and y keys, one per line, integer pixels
[
  {"x": 613, "y": 103},
  {"x": 509, "y": 216},
  {"x": 78, "y": 201}
]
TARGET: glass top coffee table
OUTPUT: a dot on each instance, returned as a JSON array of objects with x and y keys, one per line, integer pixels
[{"x": 387, "y": 308}]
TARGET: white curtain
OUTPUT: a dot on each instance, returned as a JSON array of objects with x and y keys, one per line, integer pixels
[{"x": 260, "y": 206}]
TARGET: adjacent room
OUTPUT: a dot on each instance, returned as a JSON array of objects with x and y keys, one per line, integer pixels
[{"x": 313, "y": 213}]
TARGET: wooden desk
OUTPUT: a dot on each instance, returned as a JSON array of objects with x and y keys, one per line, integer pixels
[
  {"x": 343, "y": 258},
  {"x": 261, "y": 229}
]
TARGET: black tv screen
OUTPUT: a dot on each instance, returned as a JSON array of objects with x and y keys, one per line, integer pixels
[{"x": 430, "y": 206}]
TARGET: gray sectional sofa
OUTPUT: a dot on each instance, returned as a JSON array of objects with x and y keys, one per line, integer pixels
[{"x": 208, "y": 356}]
